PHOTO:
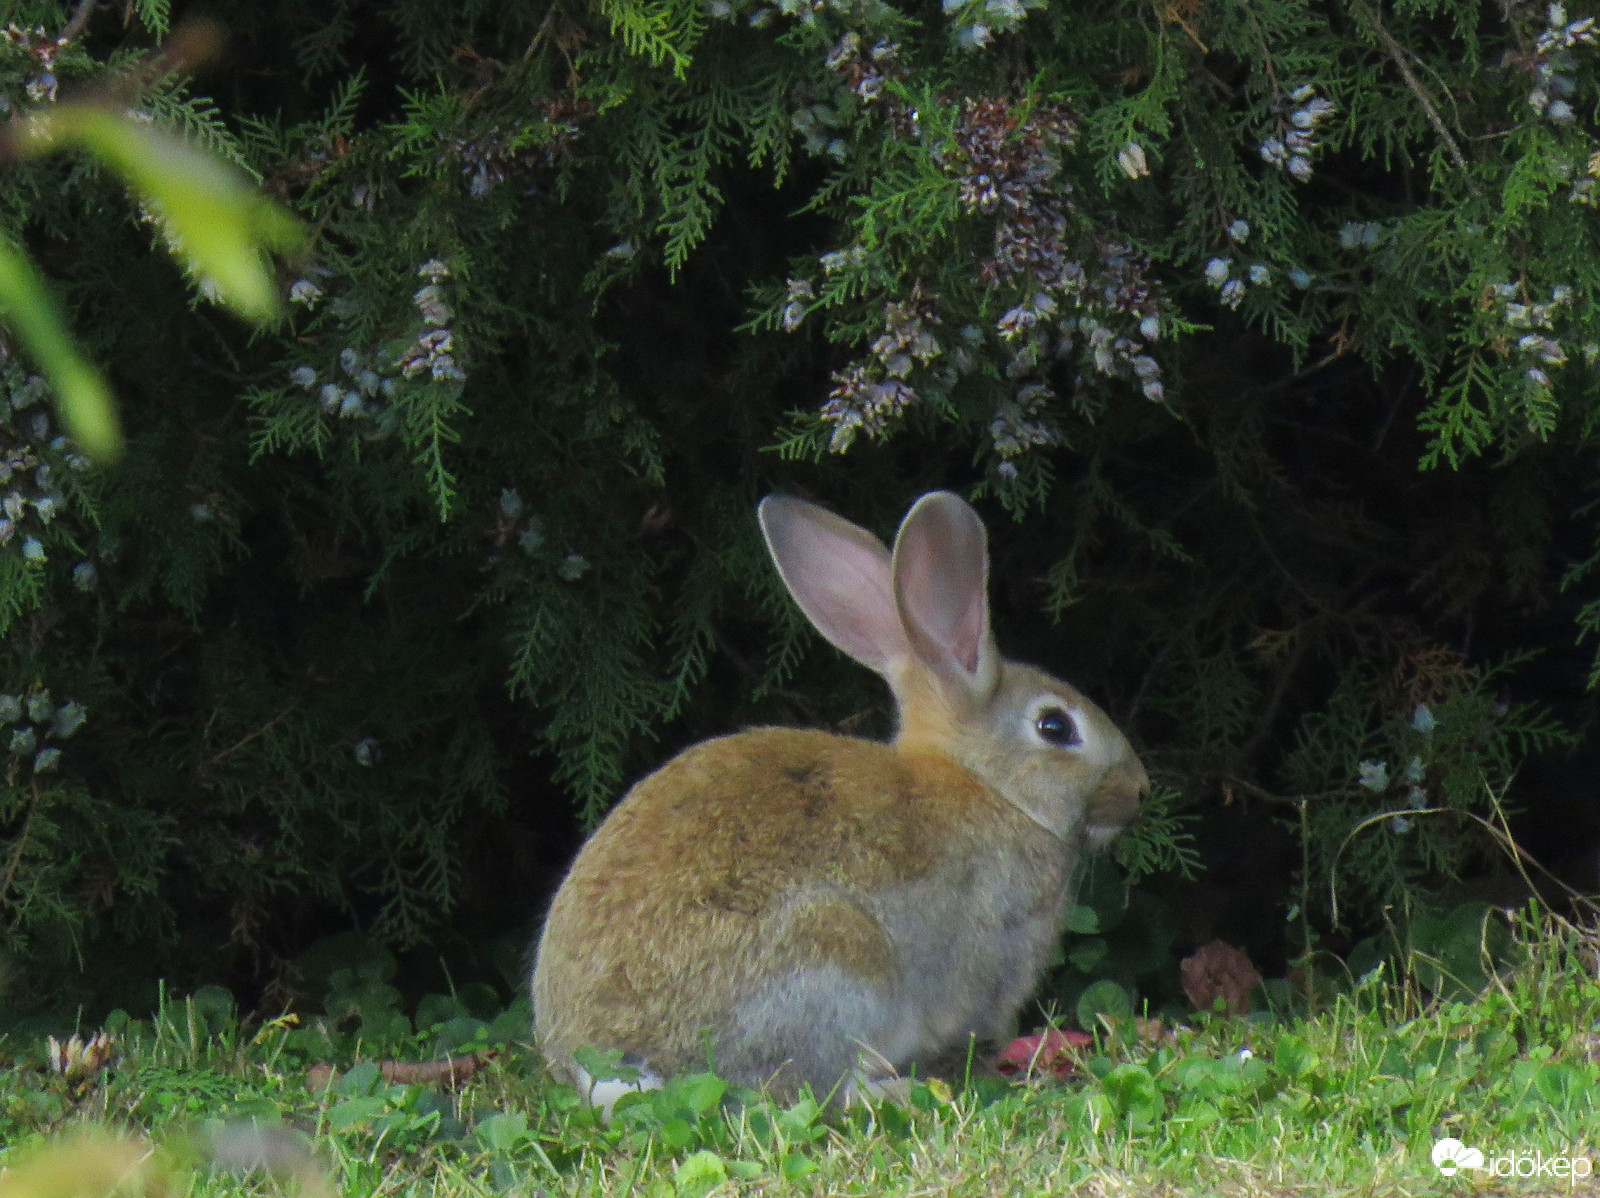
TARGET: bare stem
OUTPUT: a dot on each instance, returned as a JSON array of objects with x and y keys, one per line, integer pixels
[
  {"x": 80, "y": 19},
  {"x": 10, "y": 875},
  {"x": 1398, "y": 57}
]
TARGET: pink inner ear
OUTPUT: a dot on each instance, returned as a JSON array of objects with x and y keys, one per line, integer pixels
[
  {"x": 951, "y": 615},
  {"x": 941, "y": 568},
  {"x": 844, "y": 592},
  {"x": 839, "y": 575},
  {"x": 969, "y": 630}
]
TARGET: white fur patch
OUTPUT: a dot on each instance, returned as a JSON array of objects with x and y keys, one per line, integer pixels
[
  {"x": 1099, "y": 748},
  {"x": 605, "y": 1094},
  {"x": 862, "y": 1088},
  {"x": 1099, "y": 837}
]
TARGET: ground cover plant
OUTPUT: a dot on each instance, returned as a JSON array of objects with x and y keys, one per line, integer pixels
[{"x": 1350, "y": 1100}]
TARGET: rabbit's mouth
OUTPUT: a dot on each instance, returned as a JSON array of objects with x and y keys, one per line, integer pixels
[
  {"x": 1115, "y": 803},
  {"x": 1099, "y": 836}
]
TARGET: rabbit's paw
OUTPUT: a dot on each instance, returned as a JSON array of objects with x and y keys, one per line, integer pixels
[
  {"x": 864, "y": 1090},
  {"x": 604, "y": 1094}
]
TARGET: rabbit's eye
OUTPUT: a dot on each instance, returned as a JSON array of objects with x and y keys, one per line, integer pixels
[{"x": 1056, "y": 727}]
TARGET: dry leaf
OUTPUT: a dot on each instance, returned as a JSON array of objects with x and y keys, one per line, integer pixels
[{"x": 1219, "y": 970}]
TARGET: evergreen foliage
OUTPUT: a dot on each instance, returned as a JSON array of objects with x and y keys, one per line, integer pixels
[{"x": 1263, "y": 331}]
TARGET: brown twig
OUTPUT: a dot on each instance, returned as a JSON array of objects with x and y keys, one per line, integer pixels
[
  {"x": 451, "y": 1073},
  {"x": 1397, "y": 56},
  {"x": 192, "y": 44},
  {"x": 79, "y": 20},
  {"x": 1156, "y": 662},
  {"x": 1500, "y": 830},
  {"x": 1295, "y": 801},
  {"x": 1266, "y": 53},
  {"x": 22, "y": 843},
  {"x": 259, "y": 732},
  {"x": 1280, "y": 692}
]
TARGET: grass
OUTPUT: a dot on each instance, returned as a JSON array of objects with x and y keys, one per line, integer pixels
[{"x": 1348, "y": 1102}]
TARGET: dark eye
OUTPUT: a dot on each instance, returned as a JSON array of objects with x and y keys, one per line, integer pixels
[{"x": 1056, "y": 726}]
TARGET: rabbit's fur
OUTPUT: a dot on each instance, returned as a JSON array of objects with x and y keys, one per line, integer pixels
[{"x": 801, "y": 907}]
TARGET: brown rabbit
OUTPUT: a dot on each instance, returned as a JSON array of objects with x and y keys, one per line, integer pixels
[{"x": 797, "y": 907}]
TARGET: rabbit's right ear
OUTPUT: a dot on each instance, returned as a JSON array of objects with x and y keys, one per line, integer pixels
[
  {"x": 941, "y": 583},
  {"x": 840, "y": 576}
]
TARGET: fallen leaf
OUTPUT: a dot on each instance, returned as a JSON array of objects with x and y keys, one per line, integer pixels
[
  {"x": 1051, "y": 1051},
  {"x": 1219, "y": 970}
]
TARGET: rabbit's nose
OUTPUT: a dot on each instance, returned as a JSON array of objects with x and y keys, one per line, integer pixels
[{"x": 1116, "y": 802}]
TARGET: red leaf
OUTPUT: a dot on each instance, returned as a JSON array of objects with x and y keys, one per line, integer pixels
[{"x": 1050, "y": 1051}]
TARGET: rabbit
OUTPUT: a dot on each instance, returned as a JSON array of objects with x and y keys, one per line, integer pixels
[{"x": 799, "y": 908}]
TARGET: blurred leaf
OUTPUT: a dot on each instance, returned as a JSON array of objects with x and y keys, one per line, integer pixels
[
  {"x": 1088, "y": 955},
  {"x": 797, "y": 1166},
  {"x": 1083, "y": 920},
  {"x": 699, "y": 1174},
  {"x": 701, "y": 1092},
  {"x": 676, "y": 1134},
  {"x": 213, "y": 217},
  {"x": 353, "y": 1112},
  {"x": 1134, "y": 1094},
  {"x": 1104, "y": 997},
  {"x": 213, "y": 1008},
  {"x": 1294, "y": 1057},
  {"x": 87, "y": 1166},
  {"x": 30, "y": 311},
  {"x": 1562, "y": 1085},
  {"x": 455, "y": 1034},
  {"x": 502, "y": 1132}
]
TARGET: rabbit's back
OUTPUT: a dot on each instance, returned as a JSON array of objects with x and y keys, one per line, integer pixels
[{"x": 753, "y": 860}]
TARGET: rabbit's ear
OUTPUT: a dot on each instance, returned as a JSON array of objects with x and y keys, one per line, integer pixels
[
  {"x": 941, "y": 587},
  {"x": 840, "y": 576}
]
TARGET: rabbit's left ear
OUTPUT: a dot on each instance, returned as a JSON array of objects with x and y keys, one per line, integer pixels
[
  {"x": 941, "y": 589},
  {"x": 839, "y": 574}
]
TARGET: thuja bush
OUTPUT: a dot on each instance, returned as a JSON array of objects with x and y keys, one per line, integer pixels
[{"x": 1263, "y": 333}]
